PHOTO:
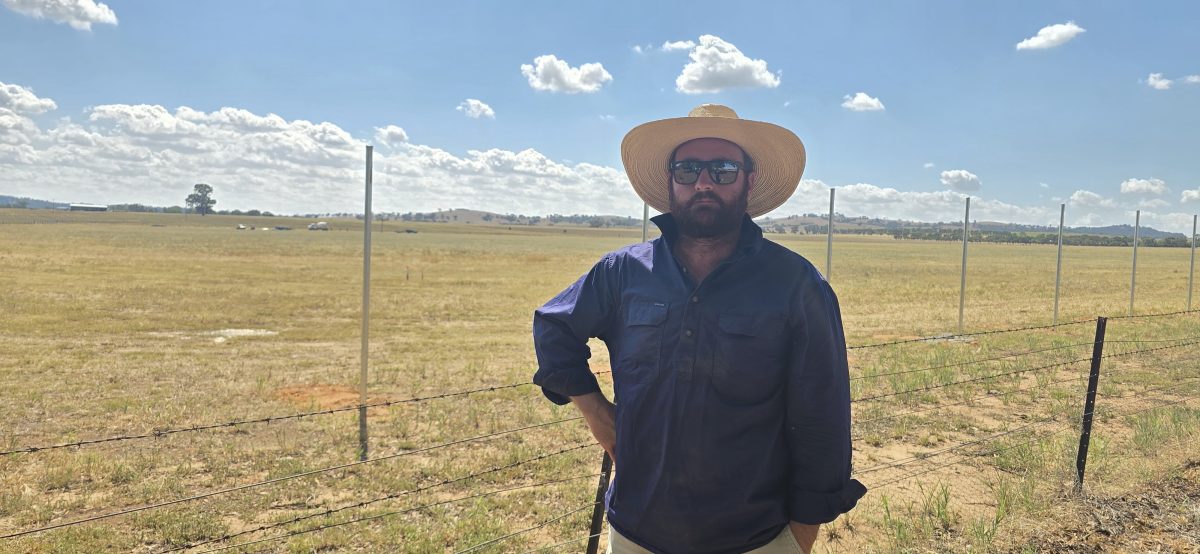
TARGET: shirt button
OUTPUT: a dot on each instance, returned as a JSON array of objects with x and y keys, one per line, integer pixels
[
  {"x": 687, "y": 333},
  {"x": 695, "y": 299}
]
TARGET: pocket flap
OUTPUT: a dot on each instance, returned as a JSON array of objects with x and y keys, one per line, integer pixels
[{"x": 646, "y": 313}]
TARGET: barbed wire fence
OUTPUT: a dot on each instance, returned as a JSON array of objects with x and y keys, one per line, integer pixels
[{"x": 925, "y": 389}]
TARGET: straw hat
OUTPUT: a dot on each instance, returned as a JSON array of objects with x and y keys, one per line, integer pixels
[{"x": 777, "y": 153}]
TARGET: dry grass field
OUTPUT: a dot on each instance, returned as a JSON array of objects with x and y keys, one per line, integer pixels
[{"x": 127, "y": 324}]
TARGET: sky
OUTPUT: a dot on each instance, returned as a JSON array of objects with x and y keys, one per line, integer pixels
[{"x": 906, "y": 108}]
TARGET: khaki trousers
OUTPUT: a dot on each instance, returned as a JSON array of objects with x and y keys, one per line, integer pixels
[{"x": 785, "y": 543}]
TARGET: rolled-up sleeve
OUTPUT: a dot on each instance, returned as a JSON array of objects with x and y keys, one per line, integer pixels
[
  {"x": 818, "y": 411},
  {"x": 562, "y": 327}
]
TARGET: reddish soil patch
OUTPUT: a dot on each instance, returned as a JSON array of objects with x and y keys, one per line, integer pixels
[{"x": 322, "y": 396}]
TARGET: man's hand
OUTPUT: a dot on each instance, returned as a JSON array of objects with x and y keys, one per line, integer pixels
[
  {"x": 806, "y": 535},
  {"x": 601, "y": 416}
]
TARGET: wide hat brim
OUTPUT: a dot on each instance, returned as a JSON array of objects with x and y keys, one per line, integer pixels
[{"x": 778, "y": 155}]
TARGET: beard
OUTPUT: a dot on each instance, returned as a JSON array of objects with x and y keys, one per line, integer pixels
[{"x": 704, "y": 221}]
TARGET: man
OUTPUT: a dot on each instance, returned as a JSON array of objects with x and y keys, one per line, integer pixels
[{"x": 731, "y": 429}]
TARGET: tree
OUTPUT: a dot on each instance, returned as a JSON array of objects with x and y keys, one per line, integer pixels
[{"x": 200, "y": 200}]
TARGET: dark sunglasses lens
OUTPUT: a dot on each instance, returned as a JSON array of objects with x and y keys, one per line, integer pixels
[
  {"x": 724, "y": 172},
  {"x": 685, "y": 175}
]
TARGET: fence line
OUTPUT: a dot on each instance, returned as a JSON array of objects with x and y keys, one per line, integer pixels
[
  {"x": 972, "y": 399},
  {"x": 278, "y": 480},
  {"x": 1066, "y": 427},
  {"x": 971, "y": 380},
  {"x": 976, "y": 361},
  {"x": 236, "y": 423},
  {"x": 270, "y": 419},
  {"x": 975, "y": 334},
  {"x": 392, "y": 496},
  {"x": 397, "y": 512}
]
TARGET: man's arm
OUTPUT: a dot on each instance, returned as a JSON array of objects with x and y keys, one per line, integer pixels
[
  {"x": 562, "y": 327},
  {"x": 818, "y": 414},
  {"x": 601, "y": 417}
]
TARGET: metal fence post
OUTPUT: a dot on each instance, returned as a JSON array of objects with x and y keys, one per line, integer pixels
[
  {"x": 366, "y": 314},
  {"x": 1089, "y": 406},
  {"x": 1137, "y": 224},
  {"x": 829, "y": 239},
  {"x": 598, "y": 511},
  {"x": 645, "y": 219},
  {"x": 962, "y": 287},
  {"x": 1062, "y": 216},
  {"x": 1192, "y": 264}
]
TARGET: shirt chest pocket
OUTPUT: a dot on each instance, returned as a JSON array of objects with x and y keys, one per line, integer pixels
[
  {"x": 643, "y": 335},
  {"x": 749, "y": 354}
]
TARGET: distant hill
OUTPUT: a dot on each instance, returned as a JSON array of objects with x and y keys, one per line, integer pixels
[
  {"x": 32, "y": 203},
  {"x": 801, "y": 223},
  {"x": 815, "y": 223}
]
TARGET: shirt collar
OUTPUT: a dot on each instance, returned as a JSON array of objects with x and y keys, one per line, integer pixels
[{"x": 749, "y": 241}]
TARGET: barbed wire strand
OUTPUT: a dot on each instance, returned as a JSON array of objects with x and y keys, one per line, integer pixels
[
  {"x": 1067, "y": 427},
  {"x": 279, "y": 479},
  {"x": 399, "y": 512},
  {"x": 971, "y": 380},
  {"x": 331, "y": 511},
  {"x": 206, "y": 427},
  {"x": 534, "y": 528},
  {"x": 927, "y": 455},
  {"x": 961, "y": 335},
  {"x": 1162, "y": 314},
  {"x": 986, "y": 395},
  {"x": 976, "y": 361},
  {"x": 1016, "y": 372}
]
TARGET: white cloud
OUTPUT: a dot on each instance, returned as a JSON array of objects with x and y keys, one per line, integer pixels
[
  {"x": 678, "y": 45},
  {"x": 390, "y": 135},
  {"x": 1089, "y": 199},
  {"x": 607, "y": 117},
  {"x": 1190, "y": 196},
  {"x": 80, "y": 14},
  {"x": 718, "y": 65},
  {"x": 1144, "y": 186},
  {"x": 1157, "y": 82},
  {"x": 1153, "y": 204},
  {"x": 861, "y": 102},
  {"x": 476, "y": 109},
  {"x": 1044, "y": 185},
  {"x": 21, "y": 100},
  {"x": 1192, "y": 79},
  {"x": 961, "y": 180},
  {"x": 555, "y": 75},
  {"x": 928, "y": 165},
  {"x": 1051, "y": 36},
  {"x": 153, "y": 155}
]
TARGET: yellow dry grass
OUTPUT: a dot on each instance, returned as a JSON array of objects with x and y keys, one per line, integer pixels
[{"x": 120, "y": 324}]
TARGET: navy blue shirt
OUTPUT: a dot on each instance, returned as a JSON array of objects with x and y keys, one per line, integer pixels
[{"x": 733, "y": 395}]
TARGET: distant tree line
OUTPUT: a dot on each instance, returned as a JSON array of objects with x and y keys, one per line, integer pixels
[{"x": 1038, "y": 238}]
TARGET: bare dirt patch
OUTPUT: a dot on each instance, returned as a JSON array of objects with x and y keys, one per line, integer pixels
[
  {"x": 327, "y": 396},
  {"x": 1162, "y": 516}
]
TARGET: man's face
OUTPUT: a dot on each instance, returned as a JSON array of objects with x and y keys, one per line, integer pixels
[{"x": 705, "y": 209}]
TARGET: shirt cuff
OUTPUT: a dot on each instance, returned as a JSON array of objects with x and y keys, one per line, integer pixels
[
  {"x": 560, "y": 385},
  {"x": 814, "y": 508}
]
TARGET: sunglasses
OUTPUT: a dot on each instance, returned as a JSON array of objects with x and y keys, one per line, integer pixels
[{"x": 722, "y": 172}]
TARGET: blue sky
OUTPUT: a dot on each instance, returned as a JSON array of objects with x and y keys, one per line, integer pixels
[{"x": 271, "y": 102}]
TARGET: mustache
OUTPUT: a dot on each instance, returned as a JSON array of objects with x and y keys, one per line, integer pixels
[{"x": 705, "y": 196}]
